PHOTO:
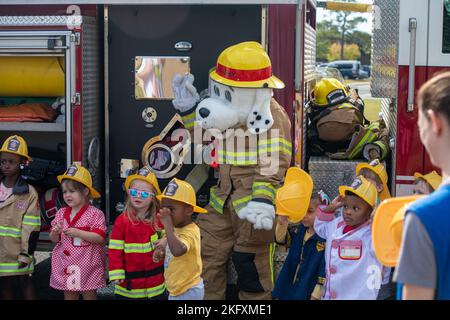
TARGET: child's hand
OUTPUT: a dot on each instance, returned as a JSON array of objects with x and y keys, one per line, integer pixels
[
  {"x": 165, "y": 217},
  {"x": 160, "y": 250},
  {"x": 283, "y": 220},
  {"x": 159, "y": 254},
  {"x": 57, "y": 229},
  {"x": 120, "y": 281},
  {"x": 337, "y": 203},
  {"x": 72, "y": 232}
]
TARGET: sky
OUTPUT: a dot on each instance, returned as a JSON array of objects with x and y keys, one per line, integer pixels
[{"x": 366, "y": 27}]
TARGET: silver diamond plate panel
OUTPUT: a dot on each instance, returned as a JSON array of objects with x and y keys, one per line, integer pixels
[
  {"x": 36, "y": 20},
  {"x": 310, "y": 53},
  {"x": 389, "y": 112},
  {"x": 90, "y": 95},
  {"x": 328, "y": 174},
  {"x": 385, "y": 42}
]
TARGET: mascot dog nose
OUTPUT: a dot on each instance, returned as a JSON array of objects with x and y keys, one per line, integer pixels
[{"x": 204, "y": 112}]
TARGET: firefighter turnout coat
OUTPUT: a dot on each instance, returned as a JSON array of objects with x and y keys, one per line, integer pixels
[
  {"x": 130, "y": 258},
  {"x": 20, "y": 223}
]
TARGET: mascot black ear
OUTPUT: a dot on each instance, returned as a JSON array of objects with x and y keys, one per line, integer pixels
[{"x": 260, "y": 118}]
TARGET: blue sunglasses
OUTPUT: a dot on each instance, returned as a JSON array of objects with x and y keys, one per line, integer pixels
[{"x": 144, "y": 194}]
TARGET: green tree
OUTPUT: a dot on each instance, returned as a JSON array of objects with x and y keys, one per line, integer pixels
[
  {"x": 351, "y": 52},
  {"x": 327, "y": 34},
  {"x": 347, "y": 25}
]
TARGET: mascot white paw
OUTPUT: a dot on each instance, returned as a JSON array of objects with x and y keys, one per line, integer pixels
[
  {"x": 260, "y": 214},
  {"x": 186, "y": 96}
]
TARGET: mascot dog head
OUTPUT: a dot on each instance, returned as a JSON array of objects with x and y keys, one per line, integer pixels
[{"x": 240, "y": 90}]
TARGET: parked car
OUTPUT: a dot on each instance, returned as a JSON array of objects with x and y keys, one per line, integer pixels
[
  {"x": 367, "y": 69},
  {"x": 350, "y": 69}
]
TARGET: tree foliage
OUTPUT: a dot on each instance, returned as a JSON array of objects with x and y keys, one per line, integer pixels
[
  {"x": 351, "y": 52},
  {"x": 342, "y": 28}
]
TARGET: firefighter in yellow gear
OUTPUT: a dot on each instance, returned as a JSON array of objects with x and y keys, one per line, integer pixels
[{"x": 240, "y": 219}]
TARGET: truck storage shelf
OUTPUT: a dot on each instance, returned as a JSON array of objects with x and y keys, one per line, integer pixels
[{"x": 32, "y": 126}]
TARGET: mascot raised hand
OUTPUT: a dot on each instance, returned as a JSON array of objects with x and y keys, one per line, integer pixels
[{"x": 252, "y": 148}]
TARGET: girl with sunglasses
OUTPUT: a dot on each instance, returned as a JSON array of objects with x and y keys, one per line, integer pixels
[{"x": 133, "y": 241}]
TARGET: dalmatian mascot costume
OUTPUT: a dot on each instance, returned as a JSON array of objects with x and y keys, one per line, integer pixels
[{"x": 253, "y": 151}]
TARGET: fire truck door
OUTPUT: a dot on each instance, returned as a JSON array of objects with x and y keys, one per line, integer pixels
[
  {"x": 438, "y": 47},
  {"x": 198, "y": 32},
  {"x": 412, "y": 74}
]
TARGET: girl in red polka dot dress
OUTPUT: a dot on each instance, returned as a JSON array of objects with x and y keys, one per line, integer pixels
[{"x": 78, "y": 259}]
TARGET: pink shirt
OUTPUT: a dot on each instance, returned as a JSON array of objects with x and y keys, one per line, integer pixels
[{"x": 4, "y": 192}]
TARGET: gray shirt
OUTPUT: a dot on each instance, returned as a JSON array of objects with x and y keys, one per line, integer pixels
[{"x": 417, "y": 263}]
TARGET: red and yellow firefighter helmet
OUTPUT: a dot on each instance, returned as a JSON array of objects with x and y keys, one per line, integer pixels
[
  {"x": 329, "y": 91},
  {"x": 16, "y": 145},
  {"x": 80, "y": 174},
  {"x": 245, "y": 65}
]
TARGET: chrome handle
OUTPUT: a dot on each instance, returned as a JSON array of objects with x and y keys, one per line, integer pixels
[{"x": 412, "y": 64}]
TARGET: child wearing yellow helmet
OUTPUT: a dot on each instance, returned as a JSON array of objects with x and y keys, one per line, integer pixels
[
  {"x": 426, "y": 183},
  {"x": 353, "y": 272},
  {"x": 375, "y": 173},
  {"x": 136, "y": 232},
  {"x": 183, "y": 263},
  {"x": 19, "y": 221},
  {"x": 303, "y": 273},
  {"x": 79, "y": 231}
]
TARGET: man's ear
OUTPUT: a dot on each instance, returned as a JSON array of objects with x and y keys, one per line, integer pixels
[
  {"x": 260, "y": 118},
  {"x": 436, "y": 122}
]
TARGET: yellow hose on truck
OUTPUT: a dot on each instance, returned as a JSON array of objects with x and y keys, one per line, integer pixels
[{"x": 31, "y": 77}]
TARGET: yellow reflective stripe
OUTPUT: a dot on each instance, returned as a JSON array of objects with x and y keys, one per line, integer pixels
[
  {"x": 154, "y": 238},
  {"x": 189, "y": 125},
  {"x": 237, "y": 158},
  {"x": 140, "y": 293},
  {"x": 238, "y": 154},
  {"x": 116, "y": 274},
  {"x": 274, "y": 141},
  {"x": 241, "y": 203},
  {"x": 215, "y": 201},
  {"x": 10, "y": 232},
  {"x": 116, "y": 244},
  {"x": 265, "y": 189},
  {"x": 31, "y": 220},
  {"x": 139, "y": 247},
  {"x": 275, "y": 144},
  {"x": 188, "y": 120},
  {"x": 271, "y": 255},
  {"x": 236, "y": 162},
  {"x": 14, "y": 268},
  {"x": 367, "y": 138},
  {"x": 266, "y": 193}
]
